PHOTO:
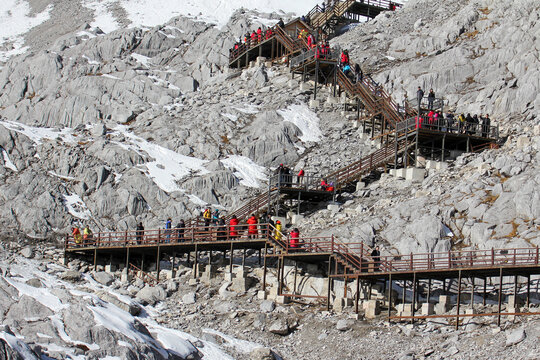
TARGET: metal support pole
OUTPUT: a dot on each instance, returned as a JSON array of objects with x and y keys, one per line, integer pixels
[
  {"x": 95, "y": 258},
  {"x": 335, "y": 80},
  {"x": 329, "y": 281},
  {"x": 500, "y": 297},
  {"x": 404, "y": 292},
  {"x": 389, "y": 295},
  {"x": 316, "y": 79},
  {"x": 282, "y": 276},
  {"x": 357, "y": 294},
  {"x": 528, "y": 290},
  {"x": 472, "y": 293},
  {"x": 196, "y": 265},
  {"x": 468, "y": 144},
  {"x": 142, "y": 262},
  {"x": 173, "y": 264},
  {"x": 443, "y": 145},
  {"x": 157, "y": 263},
  {"x": 264, "y": 269},
  {"x": 485, "y": 292},
  {"x": 414, "y": 296},
  {"x": 458, "y": 299},
  {"x": 260, "y": 256},
  {"x": 428, "y": 291},
  {"x": 127, "y": 257},
  {"x": 244, "y": 259},
  {"x": 231, "y": 259},
  {"x": 295, "y": 271}
]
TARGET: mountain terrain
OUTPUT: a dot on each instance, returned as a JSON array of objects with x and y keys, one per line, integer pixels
[{"x": 119, "y": 112}]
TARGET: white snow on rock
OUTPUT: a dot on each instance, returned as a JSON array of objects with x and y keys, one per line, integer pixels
[
  {"x": 103, "y": 19},
  {"x": 144, "y": 60},
  {"x": 305, "y": 120},
  {"x": 76, "y": 207},
  {"x": 152, "y": 13},
  {"x": 245, "y": 169},
  {"x": 8, "y": 164},
  {"x": 18, "y": 346},
  {"x": 38, "y": 134},
  {"x": 168, "y": 166},
  {"x": 15, "y": 21}
]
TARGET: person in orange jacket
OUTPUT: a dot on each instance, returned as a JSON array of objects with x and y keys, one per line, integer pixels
[
  {"x": 252, "y": 228},
  {"x": 77, "y": 236},
  {"x": 233, "y": 231}
]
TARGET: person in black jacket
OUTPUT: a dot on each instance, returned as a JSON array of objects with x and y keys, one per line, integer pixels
[
  {"x": 430, "y": 99},
  {"x": 419, "y": 95},
  {"x": 140, "y": 232},
  {"x": 180, "y": 227},
  {"x": 486, "y": 123},
  {"x": 376, "y": 256}
]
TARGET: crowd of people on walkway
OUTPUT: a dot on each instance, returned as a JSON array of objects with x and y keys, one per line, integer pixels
[
  {"x": 255, "y": 37},
  {"x": 433, "y": 118}
]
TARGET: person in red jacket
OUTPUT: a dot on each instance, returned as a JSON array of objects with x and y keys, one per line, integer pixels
[
  {"x": 344, "y": 58},
  {"x": 252, "y": 228},
  {"x": 324, "y": 184},
  {"x": 253, "y": 38},
  {"x": 300, "y": 176},
  {"x": 268, "y": 33},
  {"x": 233, "y": 231},
  {"x": 259, "y": 34},
  {"x": 294, "y": 239},
  {"x": 309, "y": 40}
]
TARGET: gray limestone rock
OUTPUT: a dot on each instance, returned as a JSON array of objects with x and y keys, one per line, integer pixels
[
  {"x": 103, "y": 278},
  {"x": 515, "y": 337},
  {"x": 152, "y": 294}
]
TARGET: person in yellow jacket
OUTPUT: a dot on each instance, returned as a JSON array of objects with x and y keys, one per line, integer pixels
[
  {"x": 278, "y": 235},
  {"x": 87, "y": 235}
]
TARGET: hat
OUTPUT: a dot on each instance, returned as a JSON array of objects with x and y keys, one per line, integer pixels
[
  {"x": 278, "y": 222},
  {"x": 280, "y": 164}
]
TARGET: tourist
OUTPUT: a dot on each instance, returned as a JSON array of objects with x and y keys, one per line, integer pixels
[
  {"x": 222, "y": 230},
  {"x": 280, "y": 23},
  {"x": 76, "y": 236},
  {"x": 430, "y": 99},
  {"x": 180, "y": 228},
  {"x": 324, "y": 184},
  {"x": 344, "y": 58},
  {"x": 294, "y": 239},
  {"x": 278, "y": 235},
  {"x": 87, "y": 235},
  {"x": 207, "y": 216},
  {"x": 486, "y": 123},
  {"x": 300, "y": 176},
  {"x": 358, "y": 72},
  {"x": 419, "y": 95},
  {"x": 140, "y": 232},
  {"x": 376, "y": 257},
  {"x": 168, "y": 226},
  {"x": 252, "y": 227},
  {"x": 233, "y": 231}
]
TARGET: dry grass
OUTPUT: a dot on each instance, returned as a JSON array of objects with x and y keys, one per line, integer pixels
[
  {"x": 512, "y": 233},
  {"x": 490, "y": 198},
  {"x": 225, "y": 139},
  {"x": 31, "y": 95},
  {"x": 470, "y": 34},
  {"x": 485, "y": 11},
  {"x": 419, "y": 54},
  {"x": 470, "y": 80}
]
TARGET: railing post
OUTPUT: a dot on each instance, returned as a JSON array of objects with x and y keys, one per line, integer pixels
[
  {"x": 514, "y": 257},
  {"x": 449, "y": 259},
  {"x": 492, "y": 257},
  {"x": 537, "y": 253},
  {"x": 159, "y": 236},
  {"x": 332, "y": 243},
  {"x": 412, "y": 261}
]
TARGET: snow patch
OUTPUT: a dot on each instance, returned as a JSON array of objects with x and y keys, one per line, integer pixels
[
  {"x": 7, "y": 162},
  {"x": 168, "y": 166},
  {"x": 76, "y": 207},
  {"x": 245, "y": 169},
  {"x": 37, "y": 134},
  {"x": 156, "y": 12},
  {"x": 144, "y": 60},
  {"x": 230, "y": 117},
  {"x": 103, "y": 19},
  {"x": 16, "y": 21},
  {"x": 305, "y": 120},
  {"x": 110, "y": 76}
]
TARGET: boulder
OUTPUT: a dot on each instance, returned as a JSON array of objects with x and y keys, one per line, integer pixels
[
  {"x": 279, "y": 327},
  {"x": 103, "y": 278},
  {"x": 151, "y": 294},
  {"x": 267, "y": 306},
  {"x": 261, "y": 353},
  {"x": 343, "y": 325},
  {"x": 515, "y": 337},
  {"x": 28, "y": 252},
  {"x": 189, "y": 298},
  {"x": 71, "y": 275}
]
